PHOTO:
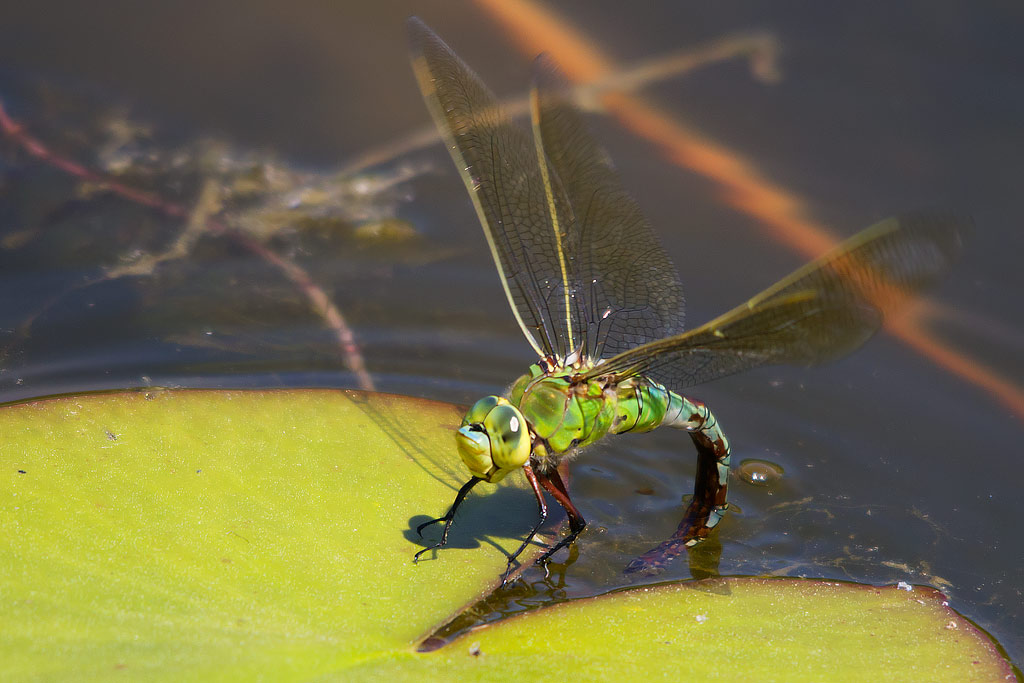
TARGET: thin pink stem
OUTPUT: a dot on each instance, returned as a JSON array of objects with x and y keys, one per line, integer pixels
[{"x": 318, "y": 299}]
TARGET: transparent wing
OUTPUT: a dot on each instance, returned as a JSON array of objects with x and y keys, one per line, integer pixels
[
  {"x": 629, "y": 287},
  {"x": 819, "y": 313},
  {"x": 522, "y": 207}
]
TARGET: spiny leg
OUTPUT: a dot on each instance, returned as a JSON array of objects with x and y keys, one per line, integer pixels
[
  {"x": 710, "y": 487},
  {"x": 553, "y": 483},
  {"x": 447, "y": 519},
  {"x": 542, "y": 507}
]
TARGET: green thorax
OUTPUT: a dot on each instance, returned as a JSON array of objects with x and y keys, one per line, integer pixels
[{"x": 565, "y": 412}]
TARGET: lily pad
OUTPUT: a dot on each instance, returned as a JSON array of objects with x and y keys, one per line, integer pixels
[
  {"x": 735, "y": 629},
  {"x": 259, "y": 532},
  {"x": 269, "y": 534}
]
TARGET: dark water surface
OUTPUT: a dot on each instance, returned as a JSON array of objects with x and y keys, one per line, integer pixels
[{"x": 897, "y": 466}]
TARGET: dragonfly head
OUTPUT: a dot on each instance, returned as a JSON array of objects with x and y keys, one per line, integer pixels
[{"x": 493, "y": 439}]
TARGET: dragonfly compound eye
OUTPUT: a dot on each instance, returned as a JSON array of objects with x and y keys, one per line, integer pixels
[
  {"x": 510, "y": 440},
  {"x": 493, "y": 439},
  {"x": 480, "y": 409}
]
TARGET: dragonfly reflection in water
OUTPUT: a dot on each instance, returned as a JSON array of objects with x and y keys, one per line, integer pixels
[{"x": 601, "y": 304}]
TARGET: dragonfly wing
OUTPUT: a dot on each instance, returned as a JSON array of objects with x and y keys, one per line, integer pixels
[
  {"x": 629, "y": 286},
  {"x": 522, "y": 207},
  {"x": 819, "y": 313}
]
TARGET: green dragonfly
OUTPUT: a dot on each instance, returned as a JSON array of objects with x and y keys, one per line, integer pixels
[{"x": 600, "y": 302}]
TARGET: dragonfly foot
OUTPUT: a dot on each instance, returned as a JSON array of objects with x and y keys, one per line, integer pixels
[
  {"x": 545, "y": 559},
  {"x": 508, "y": 572},
  {"x": 421, "y": 527},
  {"x": 416, "y": 557},
  {"x": 447, "y": 519},
  {"x": 444, "y": 537},
  {"x": 576, "y": 527},
  {"x": 546, "y": 564}
]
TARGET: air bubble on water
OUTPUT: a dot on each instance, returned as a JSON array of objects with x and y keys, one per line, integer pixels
[{"x": 760, "y": 472}]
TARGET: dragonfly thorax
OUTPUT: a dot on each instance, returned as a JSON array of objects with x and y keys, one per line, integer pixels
[{"x": 564, "y": 411}]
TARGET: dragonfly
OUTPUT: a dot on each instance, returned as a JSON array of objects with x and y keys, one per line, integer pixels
[{"x": 600, "y": 301}]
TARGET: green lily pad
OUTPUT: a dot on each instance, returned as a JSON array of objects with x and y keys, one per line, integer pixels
[
  {"x": 270, "y": 534},
  {"x": 193, "y": 532},
  {"x": 735, "y": 629}
]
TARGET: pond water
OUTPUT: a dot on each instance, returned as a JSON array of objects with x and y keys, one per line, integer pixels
[{"x": 900, "y": 463}]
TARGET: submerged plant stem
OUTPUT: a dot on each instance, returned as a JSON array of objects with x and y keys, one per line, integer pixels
[{"x": 199, "y": 217}]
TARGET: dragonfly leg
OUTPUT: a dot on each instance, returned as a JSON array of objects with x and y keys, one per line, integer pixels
[
  {"x": 553, "y": 483},
  {"x": 447, "y": 519},
  {"x": 542, "y": 509},
  {"x": 710, "y": 487}
]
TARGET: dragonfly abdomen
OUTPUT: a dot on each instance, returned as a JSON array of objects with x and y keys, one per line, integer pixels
[
  {"x": 644, "y": 405},
  {"x": 712, "y": 446}
]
